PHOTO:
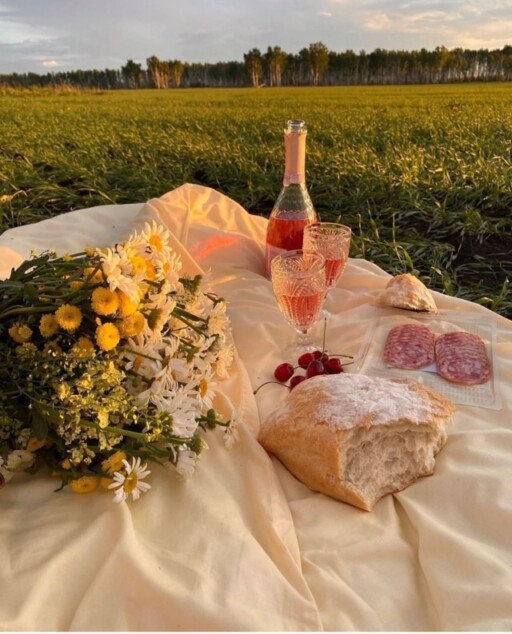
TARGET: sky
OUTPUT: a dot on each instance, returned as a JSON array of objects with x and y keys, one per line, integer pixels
[{"x": 57, "y": 35}]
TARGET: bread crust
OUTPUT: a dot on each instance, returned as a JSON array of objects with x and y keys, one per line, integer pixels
[
  {"x": 314, "y": 448},
  {"x": 408, "y": 292}
]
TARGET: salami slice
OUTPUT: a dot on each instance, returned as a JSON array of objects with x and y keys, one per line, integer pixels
[
  {"x": 461, "y": 358},
  {"x": 410, "y": 347}
]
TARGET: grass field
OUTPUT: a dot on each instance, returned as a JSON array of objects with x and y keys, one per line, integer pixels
[{"x": 423, "y": 174}]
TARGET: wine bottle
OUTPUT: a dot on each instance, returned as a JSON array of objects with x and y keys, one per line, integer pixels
[{"x": 293, "y": 209}]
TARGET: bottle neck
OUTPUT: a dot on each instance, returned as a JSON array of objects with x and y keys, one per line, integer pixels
[{"x": 295, "y": 157}]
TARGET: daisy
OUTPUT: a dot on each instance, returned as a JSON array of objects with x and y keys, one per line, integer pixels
[
  {"x": 128, "y": 480},
  {"x": 118, "y": 271},
  {"x": 155, "y": 236},
  {"x": 218, "y": 321},
  {"x": 186, "y": 463},
  {"x": 225, "y": 358}
]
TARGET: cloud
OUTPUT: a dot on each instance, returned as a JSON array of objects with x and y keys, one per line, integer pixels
[
  {"x": 327, "y": 14},
  {"x": 50, "y": 63},
  {"x": 423, "y": 23}
]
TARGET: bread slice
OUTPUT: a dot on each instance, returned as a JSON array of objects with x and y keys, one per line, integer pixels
[
  {"x": 408, "y": 292},
  {"x": 357, "y": 438}
]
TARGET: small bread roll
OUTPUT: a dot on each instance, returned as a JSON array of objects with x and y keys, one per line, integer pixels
[
  {"x": 357, "y": 438},
  {"x": 407, "y": 291}
]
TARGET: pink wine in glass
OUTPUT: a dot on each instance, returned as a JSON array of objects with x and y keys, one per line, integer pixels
[
  {"x": 334, "y": 270},
  {"x": 301, "y": 310}
]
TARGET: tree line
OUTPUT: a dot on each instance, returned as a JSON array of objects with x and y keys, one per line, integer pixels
[{"x": 315, "y": 65}]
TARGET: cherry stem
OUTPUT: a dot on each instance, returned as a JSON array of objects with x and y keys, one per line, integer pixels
[{"x": 268, "y": 383}]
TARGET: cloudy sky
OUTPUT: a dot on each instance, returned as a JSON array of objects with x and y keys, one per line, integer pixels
[{"x": 42, "y": 35}]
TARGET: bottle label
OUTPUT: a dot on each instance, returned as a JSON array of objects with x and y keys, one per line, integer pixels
[{"x": 295, "y": 158}]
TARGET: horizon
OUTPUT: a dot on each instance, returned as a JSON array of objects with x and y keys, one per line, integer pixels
[
  {"x": 238, "y": 61},
  {"x": 40, "y": 37}
]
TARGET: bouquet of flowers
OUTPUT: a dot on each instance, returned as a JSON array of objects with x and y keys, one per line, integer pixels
[{"x": 108, "y": 361}]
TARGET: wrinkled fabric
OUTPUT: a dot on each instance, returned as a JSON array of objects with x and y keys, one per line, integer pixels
[{"x": 243, "y": 545}]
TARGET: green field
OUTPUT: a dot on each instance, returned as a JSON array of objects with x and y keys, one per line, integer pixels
[{"x": 423, "y": 174}]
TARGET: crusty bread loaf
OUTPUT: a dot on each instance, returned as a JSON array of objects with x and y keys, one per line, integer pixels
[
  {"x": 357, "y": 438},
  {"x": 408, "y": 292}
]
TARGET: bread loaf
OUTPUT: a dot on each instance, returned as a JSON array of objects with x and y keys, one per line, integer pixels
[
  {"x": 357, "y": 438},
  {"x": 408, "y": 292}
]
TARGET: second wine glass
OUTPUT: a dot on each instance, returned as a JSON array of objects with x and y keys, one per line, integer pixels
[{"x": 331, "y": 240}]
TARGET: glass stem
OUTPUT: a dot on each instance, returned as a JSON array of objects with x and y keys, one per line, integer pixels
[{"x": 304, "y": 338}]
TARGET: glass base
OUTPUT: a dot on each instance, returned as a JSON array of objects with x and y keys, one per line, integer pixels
[{"x": 300, "y": 346}]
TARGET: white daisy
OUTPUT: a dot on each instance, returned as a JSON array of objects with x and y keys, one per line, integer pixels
[
  {"x": 186, "y": 463},
  {"x": 218, "y": 320},
  {"x": 19, "y": 460},
  {"x": 128, "y": 480},
  {"x": 117, "y": 269},
  {"x": 232, "y": 433},
  {"x": 224, "y": 360}
]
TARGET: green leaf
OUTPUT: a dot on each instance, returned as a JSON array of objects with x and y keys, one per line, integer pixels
[
  {"x": 39, "y": 425},
  {"x": 30, "y": 292}
]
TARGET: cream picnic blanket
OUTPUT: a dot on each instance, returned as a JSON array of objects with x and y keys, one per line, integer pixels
[{"x": 243, "y": 545}]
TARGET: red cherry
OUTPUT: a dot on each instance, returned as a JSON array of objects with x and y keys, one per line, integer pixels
[
  {"x": 305, "y": 359},
  {"x": 315, "y": 368},
  {"x": 317, "y": 355},
  {"x": 283, "y": 372},
  {"x": 333, "y": 366},
  {"x": 295, "y": 380}
]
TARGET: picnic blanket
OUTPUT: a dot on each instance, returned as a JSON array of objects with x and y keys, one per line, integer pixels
[{"x": 243, "y": 545}]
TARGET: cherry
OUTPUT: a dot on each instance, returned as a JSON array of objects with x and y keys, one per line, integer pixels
[
  {"x": 315, "y": 368},
  {"x": 333, "y": 366},
  {"x": 305, "y": 359},
  {"x": 295, "y": 380},
  {"x": 283, "y": 372}
]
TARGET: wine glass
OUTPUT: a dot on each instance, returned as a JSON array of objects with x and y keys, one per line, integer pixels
[
  {"x": 332, "y": 240},
  {"x": 298, "y": 280}
]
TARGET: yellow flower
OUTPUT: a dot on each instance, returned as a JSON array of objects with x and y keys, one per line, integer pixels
[
  {"x": 48, "y": 326},
  {"x": 103, "y": 417},
  {"x": 69, "y": 317},
  {"x": 126, "y": 305},
  {"x": 132, "y": 325},
  {"x": 65, "y": 464},
  {"x": 52, "y": 348},
  {"x": 84, "y": 347},
  {"x": 97, "y": 277},
  {"x": 150, "y": 271},
  {"x": 104, "y": 301},
  {"x": 139, "y": 264},
  {"x": 114, "y": 462},
  {"x": 34, "y": 444},
  {"x": 76, "y": 284},
  {"x": 26, "y": 348},
  {"x": 156, "y": 241},
  {"x": 85, "y": 484},
  {"x": 67, "y": 257},
  {"x": 20, "y": 333},
  {"x": 107, "y": 336},
  {"x": 89, "y": 251}
]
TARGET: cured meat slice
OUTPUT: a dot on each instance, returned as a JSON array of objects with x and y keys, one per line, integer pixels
[
  {"x": 461, "y": 358},
  {"x": 410, "y": 347}
]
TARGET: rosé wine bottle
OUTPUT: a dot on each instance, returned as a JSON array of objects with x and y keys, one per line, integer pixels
[{"x": 293, "y": 209}]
